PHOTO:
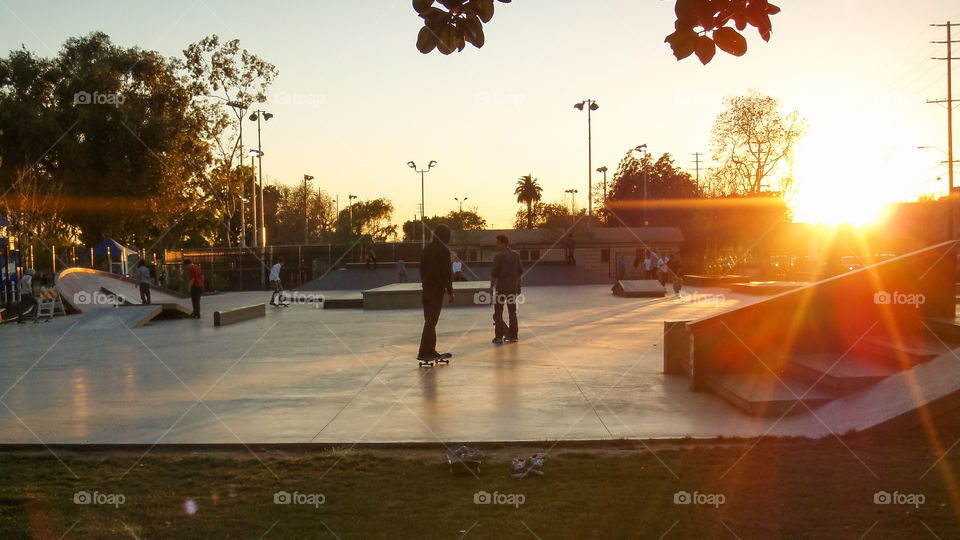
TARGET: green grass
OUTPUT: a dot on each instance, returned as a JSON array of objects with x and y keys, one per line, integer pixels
[{"x": 778, "y": 489}]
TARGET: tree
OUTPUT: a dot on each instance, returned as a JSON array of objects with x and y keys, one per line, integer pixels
[
  {"x": 235, "y": 79},
  {"x": 468, "y": 220},
  {"x": 127, "y": 144},
  {"x": 752, "y": 142},
  {"x": 291, "y": 216},
  {"x": 369, "y": 218},
  {"x": 556, "y": 215},
  {"x": 638, "y": 181},
  {"x": 528, "y": 192},
  {"x": 701, "y": 25}
]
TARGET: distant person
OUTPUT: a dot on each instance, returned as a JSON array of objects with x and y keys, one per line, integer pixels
[
  {"x": 505, "y": 277},
  {"x": 195, "y": 284},
  {"x": 162, "y": 278},
  {"x": 371, "y": 259},
  {"x": 675, "y": 266},
  {"x": 663, "y": 270},
  {"x": 621, "y": 268},
  {"x": 401, "y": 270},
  {"x": 275, "y": 284},
  {"x": 27, "y": 301},
  {"x": 648, "y": 265},
  {"x": 569, "y": 247},
  {"x": 437, "y": 278},
  {"x": 143, "y": 275},
  {"x": 458, "y": 270}
]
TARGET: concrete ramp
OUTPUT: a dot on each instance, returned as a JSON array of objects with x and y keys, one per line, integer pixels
[
  {"x": 118, "y": 318},
  {"x": 83, "y": 289},
  {"x": 638, "y": 288}
]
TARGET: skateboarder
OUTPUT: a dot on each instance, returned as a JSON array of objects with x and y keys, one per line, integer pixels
[
  {"x": 401, "y": 270},
  {"x": 195, "y": 284},
  {"x": 143, "y": 273},
  {"x": 505, "y": 283},
  {"x": 437, "y": 278},
  {"x": 675, "y": 268},
  {"x": 275, "y": 283},
  {"x": 27, "y": 300}
]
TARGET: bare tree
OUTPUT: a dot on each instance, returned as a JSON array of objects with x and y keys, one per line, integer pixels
[{"x": 753, "y": 143}]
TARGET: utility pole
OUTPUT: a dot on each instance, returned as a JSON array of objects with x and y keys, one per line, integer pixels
[
  {"x": 949, "y": 102},
  {"x": 696, "y": 156}
]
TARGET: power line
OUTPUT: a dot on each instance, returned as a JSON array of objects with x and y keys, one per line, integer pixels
[
  {"x": 949, "y": 101},
  {"x": 697, "y": 161}
]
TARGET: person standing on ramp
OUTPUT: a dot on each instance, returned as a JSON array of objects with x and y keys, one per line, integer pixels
[{"x": 437, "y": 277}]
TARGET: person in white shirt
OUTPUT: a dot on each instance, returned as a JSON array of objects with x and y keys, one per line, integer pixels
[
  {"x": 663, "y": 270},
  {"x": 275, "y": 283},
  {"x": 143, "y": 273},
  {"x": 457, "y": 270},
  {"x": 27, "y": 300},
  {"x": 648, "y": 266}
]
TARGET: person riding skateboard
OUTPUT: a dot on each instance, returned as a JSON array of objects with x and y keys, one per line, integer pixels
[
  {"x": 275, "y": 283},
  {"x": 437, "y": 277},
  {"x": 505, "y": 280}
]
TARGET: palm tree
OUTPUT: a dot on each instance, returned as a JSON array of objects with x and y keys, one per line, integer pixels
[{"x": 528, "y": 191}]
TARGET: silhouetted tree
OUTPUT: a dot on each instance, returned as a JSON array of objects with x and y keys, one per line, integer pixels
[{"x": 528, "y": 192}]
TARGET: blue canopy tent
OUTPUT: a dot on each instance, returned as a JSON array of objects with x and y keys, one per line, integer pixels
[{"x": 110, "y": 248}]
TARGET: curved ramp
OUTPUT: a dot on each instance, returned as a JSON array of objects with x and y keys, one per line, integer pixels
[{"x": 83, "y": 289}]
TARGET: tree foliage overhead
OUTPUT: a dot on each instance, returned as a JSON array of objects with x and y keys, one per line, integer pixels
[
  {"x": 701, "y": 27},
  {"x": 753, "y": 145},
  {"x": 450, "y": 27}
]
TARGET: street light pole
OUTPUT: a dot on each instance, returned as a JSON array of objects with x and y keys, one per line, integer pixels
[
  {"x": 591, "y": 106},
  {"x": 255, "y": 117},
  {"x": 243, "y": 223},
  {"x": 306, "y": 212},
  {"x": 423, "y": 213},
  {"x": 573, "y": 201},
  {"x": 351, "y": 198},
  {"x": 604, "y": 171},
  {"x": 643, "y": 148}
]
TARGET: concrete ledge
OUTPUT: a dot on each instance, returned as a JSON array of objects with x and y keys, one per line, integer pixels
[
  {"x": 676, "y": 348},
  {"x": 766, "y": 287},
  {"x": 712, "y": 281},
  {"x": 240, "y": 314},
  {"x": 408, "y": 295},
  {"x": 639, "y": 288}
]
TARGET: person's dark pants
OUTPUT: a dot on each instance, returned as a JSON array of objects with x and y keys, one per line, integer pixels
[
  {"x": 277, "y": 293},
  {"x": 145, "y": 294},
  {"x": 26, "y": 302},
  {"x": 500, "y": 328},
  {"x": 195, "y": 293},
  {"x": 432, "y": 304}
]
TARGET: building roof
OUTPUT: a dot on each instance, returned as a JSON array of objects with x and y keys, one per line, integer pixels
[{"x": 599, "y": 235}]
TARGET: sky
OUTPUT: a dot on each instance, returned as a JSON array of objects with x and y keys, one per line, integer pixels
[{"x": 355, "y": 100}]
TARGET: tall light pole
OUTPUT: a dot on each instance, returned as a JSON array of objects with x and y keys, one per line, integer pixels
[
  {"x": 423, "y": 210},
  {"x": 255, "y": 117},
  {"x": 306, "y": 210},
  {"x": 643, "y": 148},
  {"x": 604, "y": 171},
  {"x": 253, "y": 190},
  {"x": 573, "y": 201},
  {"x": 351, "y": 198},
  {"x": 460, "y": 214},
  {"x": 243, "y": 222},
  {"x": 591, "y": 106}
]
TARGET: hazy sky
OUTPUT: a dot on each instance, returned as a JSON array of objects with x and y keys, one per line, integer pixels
[{"x": 355, "y": 101}]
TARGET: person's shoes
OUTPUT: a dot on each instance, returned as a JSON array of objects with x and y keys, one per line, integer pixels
[
  {"x": 498, "y": 341},
  {"x": 518, "y": 468},
  {"x": 513, "y": 339},
  {"x": 535, "y": 464}
]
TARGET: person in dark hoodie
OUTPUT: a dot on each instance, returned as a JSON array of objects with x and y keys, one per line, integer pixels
[{"x": 437, "y": 277}]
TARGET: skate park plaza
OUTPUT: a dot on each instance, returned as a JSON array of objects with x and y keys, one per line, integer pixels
[{"x": 589, "y": 365}]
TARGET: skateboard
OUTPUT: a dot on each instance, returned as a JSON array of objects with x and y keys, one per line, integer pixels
[
  {"x": 444, "y": 358},
  {"x": 279, "y": 306}
]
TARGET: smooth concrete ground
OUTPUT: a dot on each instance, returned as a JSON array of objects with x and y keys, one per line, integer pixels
[{"x": 588, "y": 367}]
